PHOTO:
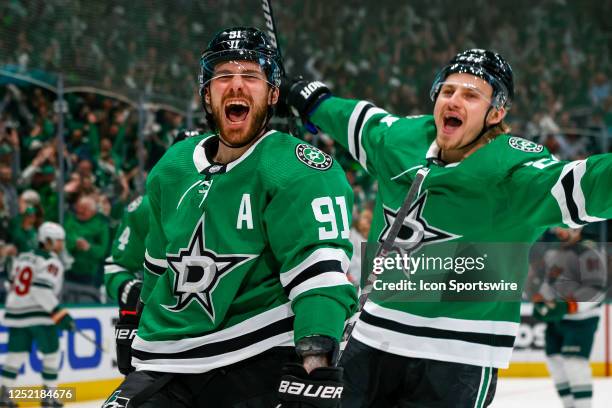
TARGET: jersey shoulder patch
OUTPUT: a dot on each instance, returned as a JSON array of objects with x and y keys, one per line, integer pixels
[
  {"x": 313, "y": 157},
  {"x": 524, "y": 145}
]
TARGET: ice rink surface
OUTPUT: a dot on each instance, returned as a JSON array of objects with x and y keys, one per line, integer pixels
[{"x": 511, "y": 393}]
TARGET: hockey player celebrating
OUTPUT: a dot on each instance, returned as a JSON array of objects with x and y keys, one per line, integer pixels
[
  {"x": 569, "y": 301},
  {"x": 33, "y": 312},
  {"x": 246, "y": 254},
  {"x": 482, "y": 185}
]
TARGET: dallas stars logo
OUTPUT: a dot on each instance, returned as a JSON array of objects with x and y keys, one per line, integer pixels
[
  {"x": 313, "y": 157},
  {"x": 415, "y": 231},
  {"x": 198, "y": 270}
]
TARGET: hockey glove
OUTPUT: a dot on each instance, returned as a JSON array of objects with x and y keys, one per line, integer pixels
[
  {"x": 129, "y": 293},
  {"x": 553, "y": 311},
  {"x": 322, "y": 388},
  {"x": 62, "y": 319},
  {"x": 125, "y": 331},
  {"x": 302, "y": 97}
]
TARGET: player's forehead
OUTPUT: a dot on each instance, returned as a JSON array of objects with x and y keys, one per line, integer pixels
[
  {"x": 238, "y": 67},
  {"x": 468, "y": 81}
]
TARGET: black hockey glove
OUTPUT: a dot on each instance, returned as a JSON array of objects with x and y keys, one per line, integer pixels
[
  {"x": 127, "y": 326},
  {"x": 322, "y": 388},
  {"x": 302, "y": 97},
  {"x": 129, "y": 293}
]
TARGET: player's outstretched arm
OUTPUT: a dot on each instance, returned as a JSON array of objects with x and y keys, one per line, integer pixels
[{"x": 549, "y": 192}]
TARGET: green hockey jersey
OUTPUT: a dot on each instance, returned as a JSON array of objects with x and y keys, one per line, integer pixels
[
  {"x": 128, "y": 249},
  {"x": 36, "y": 283},
  {"x": 242, "y": 257},
  {"x": 508, "y": 191}
]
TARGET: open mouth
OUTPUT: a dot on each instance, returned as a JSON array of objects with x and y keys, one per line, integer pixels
[
  {"x": 452, "y": 120},
  {"x": 237, "y": 111}
]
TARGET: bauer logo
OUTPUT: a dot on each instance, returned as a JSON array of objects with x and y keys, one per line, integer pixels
[
  {"x": 525, "y": 145},
  {"x": 313, "y": 157},
  {"x": 310, "y": 390},
  {"x": 310, "y": 88}
]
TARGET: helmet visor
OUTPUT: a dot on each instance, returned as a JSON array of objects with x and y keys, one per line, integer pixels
[
  {"x": 235, "y": 63},
  {"x": 500, "y": 92}
]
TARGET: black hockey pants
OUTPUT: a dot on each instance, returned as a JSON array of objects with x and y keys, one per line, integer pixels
[
  {"x": 251, "y": 383},
  {"x": 376, "y": 379}
]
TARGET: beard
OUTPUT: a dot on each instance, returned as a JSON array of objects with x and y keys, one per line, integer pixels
[{"x": 250, "y": 129}]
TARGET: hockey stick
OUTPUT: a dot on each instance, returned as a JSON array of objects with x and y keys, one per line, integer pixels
[
  {"x": 271, "y": 26},
  {"x": 387, "y": 244},
  {"x": 86, "y": 337}
]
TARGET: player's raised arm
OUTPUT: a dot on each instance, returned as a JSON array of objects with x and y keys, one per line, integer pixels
[
  {"x": 551, "y": 192},
  {"x": 357, "y": 125}
]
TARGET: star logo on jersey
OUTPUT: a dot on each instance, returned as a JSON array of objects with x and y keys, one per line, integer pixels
[
  {"x": 415, "y": 231},
  {"x": 313, "y": 157},
  {"x": 199, "y": 270}
]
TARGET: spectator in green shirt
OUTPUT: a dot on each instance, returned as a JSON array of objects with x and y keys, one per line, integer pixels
[{"x": 87, "y": 240}]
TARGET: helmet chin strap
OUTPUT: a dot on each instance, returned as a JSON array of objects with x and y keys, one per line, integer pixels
[{"x": 484, "y": 130}]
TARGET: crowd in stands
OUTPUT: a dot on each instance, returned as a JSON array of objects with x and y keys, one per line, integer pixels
[{"x": 382, "y": 51}]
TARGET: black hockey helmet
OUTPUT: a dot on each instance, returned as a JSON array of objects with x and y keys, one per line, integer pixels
[
  {"x": 240, "y": 43},
  {"x": 484, "y": 64}
]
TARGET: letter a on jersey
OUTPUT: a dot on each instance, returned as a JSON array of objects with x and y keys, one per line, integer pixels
[
  {"x": 415, "y": 231},
  {"x": 198, "y": 270}
]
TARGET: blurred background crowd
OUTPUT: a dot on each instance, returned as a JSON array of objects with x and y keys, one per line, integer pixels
[{"x": 92, "y": 93}]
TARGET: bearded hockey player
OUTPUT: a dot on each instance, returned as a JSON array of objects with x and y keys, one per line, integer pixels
[
  {"x": 483, "y": 185},
  {"x": 569, "y": 301},
  {"x": 33, "y": 312},
  {"x": 246, "y": 255}
]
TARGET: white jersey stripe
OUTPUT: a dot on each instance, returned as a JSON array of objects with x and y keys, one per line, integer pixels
[
  {"x": 162, "y": 263},
  {"x": 351, "y": 127},
  {"x": 578, "y": 194},
  {"x": 456, "y": 351},
  {"x": 558, "y": 193},
  {"x": 321, "y": 254},
  {"x": 444, "y": 323},
  {"x": 177, "y": 346},
  {"x": 323, "y": 280},
  {"x": 362, "y": 153},
  {"x": 114, "y": 268},
  {"x": 200, "y": 365}
]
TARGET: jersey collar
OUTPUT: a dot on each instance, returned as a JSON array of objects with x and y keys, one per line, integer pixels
[
  {"x": 433, "y": 155},
  {"x": 205, "y": 166}
]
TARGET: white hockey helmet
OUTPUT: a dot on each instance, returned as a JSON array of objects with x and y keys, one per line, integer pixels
[{"x": 50, "y": 230}]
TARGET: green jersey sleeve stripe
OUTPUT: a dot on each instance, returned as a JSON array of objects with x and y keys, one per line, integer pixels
[{"x": 113, "y": 268}]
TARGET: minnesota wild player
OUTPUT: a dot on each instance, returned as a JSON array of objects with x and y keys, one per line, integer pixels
[
  {"x": 482, "y": 185},
  {"x": 34, "y": 314},
  {"x": 246, "y": 256}
]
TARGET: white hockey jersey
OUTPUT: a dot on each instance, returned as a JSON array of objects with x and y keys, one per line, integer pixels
[{"x": 35, "y": 286}]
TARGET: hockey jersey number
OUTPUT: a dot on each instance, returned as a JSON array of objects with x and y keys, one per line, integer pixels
[{"x": 323, "y": 209}]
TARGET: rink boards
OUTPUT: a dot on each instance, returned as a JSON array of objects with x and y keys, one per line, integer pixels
[{"x": 94, "y": 374}]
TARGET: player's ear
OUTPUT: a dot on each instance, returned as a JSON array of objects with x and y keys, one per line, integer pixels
[
  {"x": 496, "y": 116},
  {"x": 273, "y": 95},
  {"x": 207, "y": 95}
]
